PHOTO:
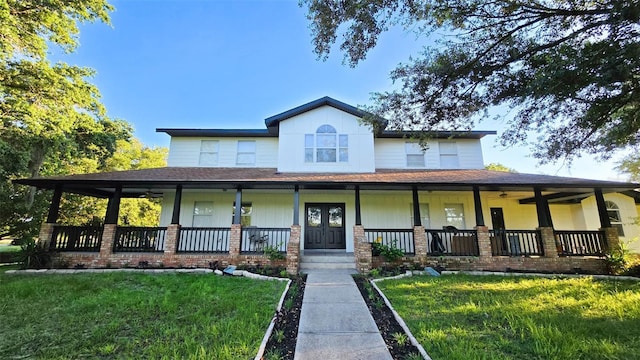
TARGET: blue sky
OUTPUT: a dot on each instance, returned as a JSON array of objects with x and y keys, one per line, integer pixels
[{"x": 231, "y": 64}]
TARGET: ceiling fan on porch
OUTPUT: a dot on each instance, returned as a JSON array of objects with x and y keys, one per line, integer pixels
[{"x": 503, "y": 195}]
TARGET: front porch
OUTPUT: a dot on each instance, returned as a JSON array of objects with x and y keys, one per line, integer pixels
[
  {"x": 542, "y": 249},
  {"x": 423, "y": 213}
]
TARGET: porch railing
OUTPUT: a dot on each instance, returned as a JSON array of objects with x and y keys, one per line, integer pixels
[
  {"x": 516, "y": 243},
  {"x": 256, "y": 240},
  {"x": 140, "y": 239},
  {"x": 204, "y": 240},
  {"x": 400, "y": 238},
  {"x": 452, "y": 242},
  {"x": 76, "y": 238},
  {"x": 580, "y": 243}
]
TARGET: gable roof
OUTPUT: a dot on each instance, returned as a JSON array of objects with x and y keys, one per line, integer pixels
[{"x": 274, "y": 120}]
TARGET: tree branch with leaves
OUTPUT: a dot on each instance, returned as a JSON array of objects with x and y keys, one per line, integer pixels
[{"x": 569, "y": 70}]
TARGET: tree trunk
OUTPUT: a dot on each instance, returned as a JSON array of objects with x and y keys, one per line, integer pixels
[{"x": 35, "y": 163}]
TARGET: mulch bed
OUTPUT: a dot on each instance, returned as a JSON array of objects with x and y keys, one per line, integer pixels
[
  {"x": 386, "y": 322},
  {"x": 282, "y": 343}
]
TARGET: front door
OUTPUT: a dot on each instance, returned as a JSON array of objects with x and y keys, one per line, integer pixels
[
  {"x": 324, "y": 226},
  {"x": 499, "y": 243}
]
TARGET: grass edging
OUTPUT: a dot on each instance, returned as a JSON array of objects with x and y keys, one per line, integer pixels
[
  {"x": 550, "y": 276},
  {"x": 397, "y": 316},
  {"x": 267, "y": 335}
]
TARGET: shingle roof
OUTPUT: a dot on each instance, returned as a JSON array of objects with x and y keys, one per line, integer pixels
[{"x": 265, "y": 177}]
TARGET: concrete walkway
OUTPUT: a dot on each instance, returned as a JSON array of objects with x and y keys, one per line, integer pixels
[{"x": 335, "y": 322}]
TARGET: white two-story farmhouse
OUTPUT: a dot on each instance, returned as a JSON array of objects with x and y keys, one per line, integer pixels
[{"x": 316, "y": 180}]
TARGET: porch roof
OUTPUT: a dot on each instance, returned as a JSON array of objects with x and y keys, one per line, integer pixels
[{"x": 136, "y": 182}]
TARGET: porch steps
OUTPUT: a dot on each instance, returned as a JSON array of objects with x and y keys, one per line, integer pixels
[{"x": 327, "y": 260}]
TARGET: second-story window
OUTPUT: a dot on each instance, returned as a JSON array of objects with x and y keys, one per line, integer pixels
[
  {"x": 326, "y": 145},
  {"x": 246, "y": 154},
  {"x": 415, "y": 155},
  {"x": 449, "y": 155},
  {"x": 208, "y": 153}
]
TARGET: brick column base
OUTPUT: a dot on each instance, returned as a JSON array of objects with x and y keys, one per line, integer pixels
[
  {"x": 548, "y": 242},
  {"x": 362, "y": 250},
  {"x": 108, "y": 239},
  {"x": 46, "y": 234},
  {"x": 420, "y": 243},
  {"x": 484, "y": 242},
  {"x": 612, "y": 238},
  {"x": 171, "y": 241},
  {"x": 293, "y": 250},
  {"x": 234, "y": 240}
]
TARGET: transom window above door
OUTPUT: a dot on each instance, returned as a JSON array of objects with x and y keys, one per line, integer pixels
[{"x": 326, "y": 145}]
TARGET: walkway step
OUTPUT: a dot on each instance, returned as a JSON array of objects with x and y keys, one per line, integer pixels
[
  {"x": 335, "y": 322},
  {"x": 338, "y": 262}
]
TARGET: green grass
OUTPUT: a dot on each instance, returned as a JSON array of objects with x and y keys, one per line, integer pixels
[
  {"x": 125, "y": 315},
  {"x": 490, "y": 317},
  {"x": 9, "y": 248}
]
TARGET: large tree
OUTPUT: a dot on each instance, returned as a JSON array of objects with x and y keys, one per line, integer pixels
[
  {"x": 568, "y": 68},
  {"x": 51, "y": 117}
]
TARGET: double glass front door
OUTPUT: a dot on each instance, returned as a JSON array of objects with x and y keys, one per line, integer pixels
[{"x": 324, "y": 226}]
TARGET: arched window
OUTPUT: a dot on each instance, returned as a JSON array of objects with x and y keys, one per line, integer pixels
[
  {"x": 614, "y": 216},
  {"x": 326, "y": 145}
]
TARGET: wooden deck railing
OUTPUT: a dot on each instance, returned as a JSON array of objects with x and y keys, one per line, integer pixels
[
  {"x": 400, "y": 238},
  {"x": 255, "y": 239},
  {"x": 580, "y": 243},
  {"x": 76, "y": 238},
  {"x": 140, "y": 239},
  {"x": 203, "y": 240},
  {"x": 516, "y": 243},
  {"x": 447, "y": 242}
]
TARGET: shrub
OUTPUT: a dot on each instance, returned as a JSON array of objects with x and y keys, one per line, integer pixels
[
  {"x": 391, "y": 252},
  {"x": 34, "y": 255}
]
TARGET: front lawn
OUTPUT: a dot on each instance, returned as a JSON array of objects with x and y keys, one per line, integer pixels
[
  {"x": 492, "y": 317},
  {"x": 127, "y": 315}
]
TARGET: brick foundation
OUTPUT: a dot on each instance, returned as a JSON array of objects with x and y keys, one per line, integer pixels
[{"x": 504, "y": 263}]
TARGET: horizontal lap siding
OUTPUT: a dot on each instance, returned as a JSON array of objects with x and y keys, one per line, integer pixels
[
  {"x": 273, "y": 209},
  {"x": 186, "y": 151}
]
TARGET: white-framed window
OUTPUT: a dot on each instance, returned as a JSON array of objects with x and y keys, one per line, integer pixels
[
  {"x": 208, "y": 153},
  {"x": 454, "y": 215},
  {"x": 326, "y": 145},
  {"x": 613, "y": 211},
  {"x": 246, "y": 154},
  {"x": 415, "y": 155},
  {"x": 449, "y": 155},
  {"x": 425, "y": 219},
  {"x": 245, "y": 213},
  {"x": 203, "y": 214}
]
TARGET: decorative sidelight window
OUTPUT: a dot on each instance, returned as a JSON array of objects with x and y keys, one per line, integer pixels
[{"x": 326, "y": 145}]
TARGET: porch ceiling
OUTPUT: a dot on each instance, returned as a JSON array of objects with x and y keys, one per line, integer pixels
[{"x": 139, "y": 182}]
